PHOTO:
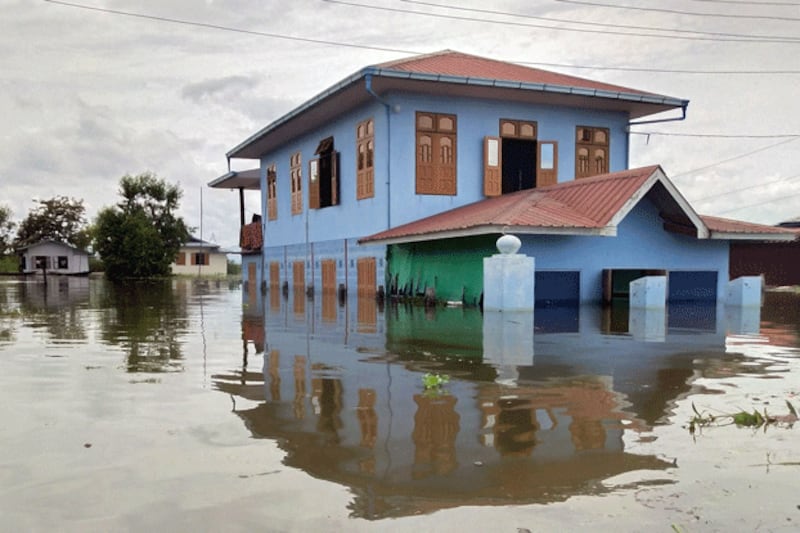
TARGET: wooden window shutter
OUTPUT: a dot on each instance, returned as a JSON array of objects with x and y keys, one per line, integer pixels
[
  {"x": 424, "y": 164},
  {"x": 313, "y": 184},
  {"x": 361, "y": 171},
  {"x": 180, "y": 259},
  {"x": 446, "y": 171},
  {"x": 369, "y": 177},
  {"x": 206, "y": 258},
  {"x": 296, "y": 174},
  {"x": 547, "y": 173},
  {"x": 335, "y": 178},
  {"x": 492, "y": 166}
]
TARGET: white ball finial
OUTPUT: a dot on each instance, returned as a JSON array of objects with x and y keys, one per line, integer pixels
[{"x": 508, "y": 244}]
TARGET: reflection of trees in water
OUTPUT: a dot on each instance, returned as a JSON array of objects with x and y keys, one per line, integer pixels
[
  {"x": 144, "y": 318},
  {"x": 9, "y": 316},
  {"x": 58, "y": 307}
]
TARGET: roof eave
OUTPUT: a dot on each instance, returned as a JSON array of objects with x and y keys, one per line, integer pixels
[
  {"x": 653, "y": 103},
  {"x": 658, "y": 176},
  {"x": 735, "y": 236},
  {"x": 607, "y": 231}
]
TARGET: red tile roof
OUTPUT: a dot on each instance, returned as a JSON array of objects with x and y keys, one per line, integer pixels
[
  {"x": 585, "y": 204},
  {"x": 451, "y": 63}
]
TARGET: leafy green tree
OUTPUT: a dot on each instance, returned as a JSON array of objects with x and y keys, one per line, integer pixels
[
  {"x": 6, "y": 229},
  {"x": 141, "y": 235},
  {"x": 59, "y": 218}
]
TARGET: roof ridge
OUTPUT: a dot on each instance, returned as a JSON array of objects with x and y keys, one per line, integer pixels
[{"x": 389, "y": 64}]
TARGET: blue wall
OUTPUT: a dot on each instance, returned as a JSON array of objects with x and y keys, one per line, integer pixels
[
  {"x": 395, "y": 134},
  {"x": 641, "y": 243},
  {"x": 475, "y": 120}
]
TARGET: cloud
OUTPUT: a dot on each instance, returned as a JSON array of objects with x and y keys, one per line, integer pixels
[{"x": 217, "y": 89}]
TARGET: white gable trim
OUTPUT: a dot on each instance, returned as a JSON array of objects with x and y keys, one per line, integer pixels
[{"x": 658, "y": 176}]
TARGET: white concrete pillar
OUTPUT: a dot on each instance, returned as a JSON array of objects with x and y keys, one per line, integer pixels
[
  {"x": 648, "y": 324},
  {"x": 744, "y": 291},
  {"x": 508, "y": 278},
  {"x": 508, "y": 338},
  {"x": 649, "y": 292}
]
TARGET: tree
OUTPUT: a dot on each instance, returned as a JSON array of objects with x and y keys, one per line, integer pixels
[
  {"x": 6, "y": 229},
  {"x": 59, "y": 218},
  {"x": 141, "y": 235}
]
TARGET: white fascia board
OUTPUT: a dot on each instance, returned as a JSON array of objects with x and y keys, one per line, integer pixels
[
  {"x": 500, "y": 229},
  {"x": 658, "y": 176},
  {"x": 760, "y": 237}
]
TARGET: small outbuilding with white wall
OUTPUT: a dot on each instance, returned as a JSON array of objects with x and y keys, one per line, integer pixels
[
  {"x": 53, "y": 257},
  {"x": 200, "y": 258}
]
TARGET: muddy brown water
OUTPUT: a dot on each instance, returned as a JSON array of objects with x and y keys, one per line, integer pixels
[{"x": 194, "y": 405}]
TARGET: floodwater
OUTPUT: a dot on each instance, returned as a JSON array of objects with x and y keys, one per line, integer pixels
[{"x": 194, "y": 406}]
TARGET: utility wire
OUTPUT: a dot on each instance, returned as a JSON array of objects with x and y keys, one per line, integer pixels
[
  {"x": 738, "y": 208},
  {"x": 747, "y": 3},
  {"x": 659, "y": 70},
  {"x": 740, "y": 156},
  {"x": 680, "y": 12},
  {"x": 394, "y": 50},
  {"x": 756, "y": 186},
  {"x": 778, "y": 40},
  {"x": 718, "y": 135},
  {"x": 229, "y": 28},
  {"x": 595, "y": 24}
]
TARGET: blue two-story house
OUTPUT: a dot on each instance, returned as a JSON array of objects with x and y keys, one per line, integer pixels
[{"x": 401, "y": 176}]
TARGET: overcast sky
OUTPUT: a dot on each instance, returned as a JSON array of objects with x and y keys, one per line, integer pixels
[{"x": 87, "y": 96}]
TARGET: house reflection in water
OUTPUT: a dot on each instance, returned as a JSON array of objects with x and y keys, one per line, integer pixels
[{"x": 341, "y": 392}]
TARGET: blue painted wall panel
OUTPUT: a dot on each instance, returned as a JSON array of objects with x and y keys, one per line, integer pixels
[
  {"x": 395, "y": 161},
  {"x": 641, "y": 243}
]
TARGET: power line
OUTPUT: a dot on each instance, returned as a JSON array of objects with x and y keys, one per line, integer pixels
[
  {"x": 395, "y": 50},
  {"x": 756, "y": 186},
  {"x": 740, "y": 156},
  {"x": 747, "y": 3},
  {"x": 718, "y": 135},
  {"x": 229, "y": 28},
  {"x": 738, "y": 208},
  {"x": 778, "y": 40},
  {"x": 658, "y": 70},
  {"x": 680, "y": 12},
  {"x": 595, "y": 24}
]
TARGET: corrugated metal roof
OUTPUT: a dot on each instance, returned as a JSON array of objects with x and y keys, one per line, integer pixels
[
  {"x": 452, "y": 63},
  {"x": 579, "y": 205},
  {"x": 585, "y": 206},
  {"x": 730, "y": 227},
  {"x": 452, "y": 74}
]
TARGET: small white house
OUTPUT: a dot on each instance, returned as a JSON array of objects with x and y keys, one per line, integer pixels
[
  {"x": 53, "y": 257},
  {"x": 200, "y": 258}
]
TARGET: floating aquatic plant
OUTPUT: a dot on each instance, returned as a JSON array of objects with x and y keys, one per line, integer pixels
[
  {"x": 435, "y": 382},
  {"x": 753, "y": 420}
]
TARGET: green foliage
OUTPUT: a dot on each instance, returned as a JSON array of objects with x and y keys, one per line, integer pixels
[
  {"x": 96, "y": 264},
  {"x": 140, "y": 236},
  {"x": 234, "y": 269},
  {"x": 9, "y": 264},
  {"x": 434, "y": 383},
  {"x": 755, "y": 419},
  {"x": 59, "y": 218},
  {"x": 6, "y": 229}
]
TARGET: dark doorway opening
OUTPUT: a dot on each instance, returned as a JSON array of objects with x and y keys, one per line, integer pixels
[{"x": 519, "y": 164}]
